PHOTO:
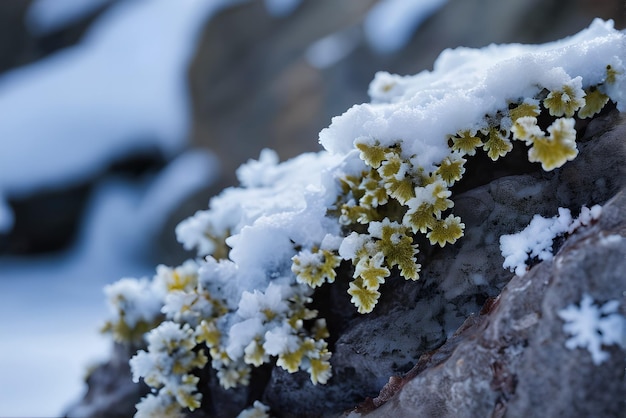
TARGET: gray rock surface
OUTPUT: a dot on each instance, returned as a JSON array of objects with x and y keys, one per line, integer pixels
[
  {"x": 414, "y": 318},
  {"x": 512, "y": 360},
  {"x": 111, "y": 393}
]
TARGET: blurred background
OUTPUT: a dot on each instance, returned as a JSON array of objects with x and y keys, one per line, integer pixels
[{"x": 119, "y": 118}]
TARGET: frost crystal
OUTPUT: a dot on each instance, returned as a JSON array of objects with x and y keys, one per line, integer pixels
[{"x": 592, "y": 327}]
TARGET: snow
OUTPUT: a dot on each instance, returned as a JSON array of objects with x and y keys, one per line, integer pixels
[
  {"x": 390, "y": 24},
  {"x": 592, "y": 326},
  {"x": 65, "y": 119},
  {"x": 53, "y": 307},
  {"x": 536, "y": 239}
]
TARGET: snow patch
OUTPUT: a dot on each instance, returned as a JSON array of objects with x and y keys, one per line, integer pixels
[{"x": 592, "y": 326}]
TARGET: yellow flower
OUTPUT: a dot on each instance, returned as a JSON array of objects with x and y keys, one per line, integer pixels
[
  {"x": 555, "y": 150},
  {"x": 364, "y": 299},
  {"x": 290, "y": 361},
  {"x": 254, "y": 353},
  {"x": 498, "y": 145},
  {"x": 374, "y": 191},
  {"x": 402, "y": 190},
  {"x": 528, "y": 108},
  {"x": 371, "y": 271},
  {"x": 594, "y": 102},
  {"x": 373, "y": 155},
  {"x": 419, "y": 218},
  {"x": 567, "y": 100},
  {"x": 208, "y": 333},
  {"x": 320, "y": 370},
  {"x": 315, "y": 267},
  {"x": 525, "y": 129},
  {"x": 451, "y": 169}
]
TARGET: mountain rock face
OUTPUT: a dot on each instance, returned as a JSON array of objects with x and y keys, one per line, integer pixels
[{"x": 468, "y": 339}]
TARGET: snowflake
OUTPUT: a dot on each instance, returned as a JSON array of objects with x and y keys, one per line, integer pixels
[{"x": 592, "y": 327}]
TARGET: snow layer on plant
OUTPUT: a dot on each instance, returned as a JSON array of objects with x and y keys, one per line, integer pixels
[
  {"x": 592, "y": 326},
  {"x": 467, "y": 84}
]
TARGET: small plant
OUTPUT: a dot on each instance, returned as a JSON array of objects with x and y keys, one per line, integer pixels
[{"x": 382, "y": 185}]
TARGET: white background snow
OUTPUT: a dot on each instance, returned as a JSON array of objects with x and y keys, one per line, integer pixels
[{"x": 66, "y": 118}]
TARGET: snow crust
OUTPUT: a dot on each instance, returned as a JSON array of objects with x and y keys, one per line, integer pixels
[{"x": 466, "y": 84}]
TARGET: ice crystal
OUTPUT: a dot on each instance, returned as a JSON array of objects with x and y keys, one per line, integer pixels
[{"x": 592, "y": 327}]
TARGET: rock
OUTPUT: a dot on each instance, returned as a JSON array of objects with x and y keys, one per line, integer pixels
[
  {"x": 414, "y": 318},
  {"x": 512, "y": 360},
  {"x": 111, "y": 394},
  {"x": 406, "y": 331}
]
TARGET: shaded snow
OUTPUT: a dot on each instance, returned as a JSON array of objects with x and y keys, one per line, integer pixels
[
  {"x": 52, "y": 307},
  {"x": 46, "y": 16},
  {"x": 329, "y": 50},
  {"x": 64, "y": 119}
]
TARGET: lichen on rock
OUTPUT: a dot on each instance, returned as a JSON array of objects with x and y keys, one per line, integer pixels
[{"x": 376, "y": 205}]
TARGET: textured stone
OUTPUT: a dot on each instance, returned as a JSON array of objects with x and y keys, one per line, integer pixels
[
  {"x": 414, "y": 318},
  {"x": 512, "y": 360}
]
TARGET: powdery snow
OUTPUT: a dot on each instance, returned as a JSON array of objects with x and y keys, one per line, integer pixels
[{"x": 536, "y": 239}]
